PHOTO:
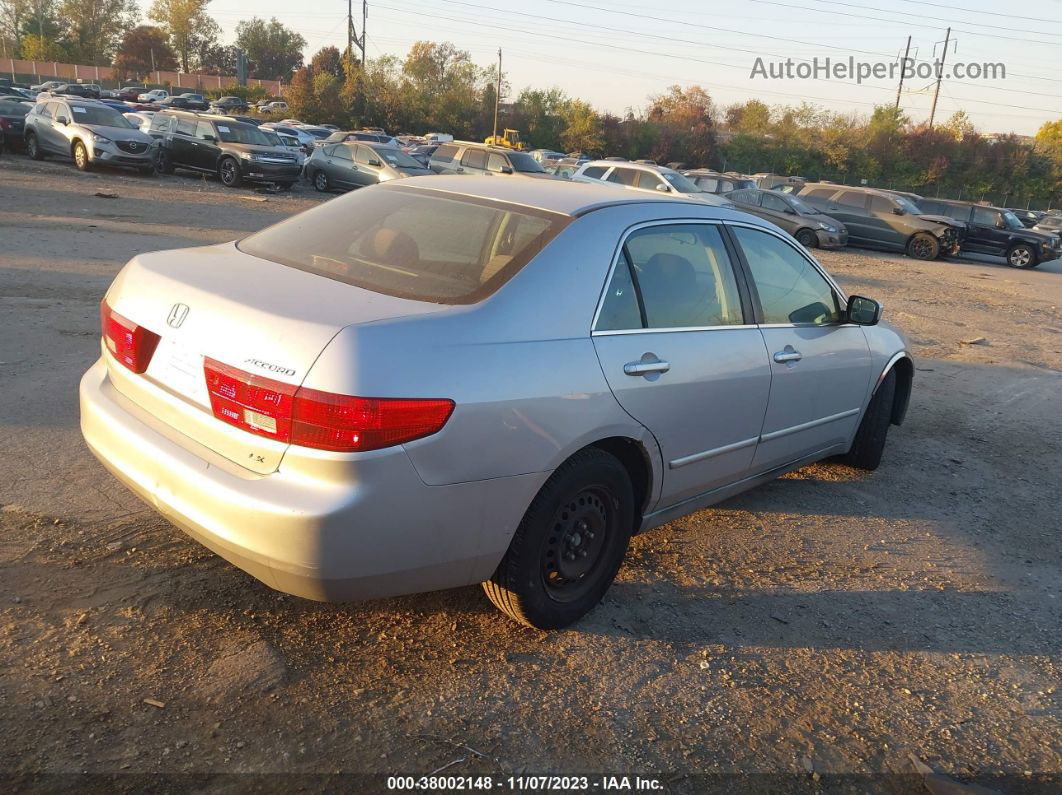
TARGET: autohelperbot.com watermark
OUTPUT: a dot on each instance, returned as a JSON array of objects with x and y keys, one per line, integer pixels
[{"x": 852, "y": 69}]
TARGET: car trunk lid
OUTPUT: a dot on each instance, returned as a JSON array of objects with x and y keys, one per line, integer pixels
[{"x": 258, "y": 316}]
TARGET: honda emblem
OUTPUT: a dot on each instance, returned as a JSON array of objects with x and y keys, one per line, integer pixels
[{"x": 177, "y": 315}]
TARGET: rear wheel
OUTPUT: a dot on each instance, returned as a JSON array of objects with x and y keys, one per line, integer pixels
[
  {"x": 229, "y": 173},
  {"x": 569, "y": 545},
  {"x": 1022, "y": 256},
  {"x": 320, "y": 181},
  {"x": 81, "y": 157},
  {"x": 923, "y": 246},
  {"x": 807, "y": 238},
  {"x": 33, "y": 147},
  {"x": 869, "y": 442}
]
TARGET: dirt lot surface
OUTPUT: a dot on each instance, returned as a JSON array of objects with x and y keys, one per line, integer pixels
[{"x": 832, "y": 622}]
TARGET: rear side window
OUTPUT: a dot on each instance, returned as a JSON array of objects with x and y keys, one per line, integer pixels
[
  {"x": 852, "y": 198},
  {"x": 474, "y": 158},
  {"x": 623, "y": 176},
  {"x": 411, "y": 243},
  {"x": 820, "y": 193},
  {"x": 594, "y": 172}
]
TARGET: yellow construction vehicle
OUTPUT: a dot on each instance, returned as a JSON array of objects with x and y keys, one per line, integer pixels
[{"x": 510, "y": 139}]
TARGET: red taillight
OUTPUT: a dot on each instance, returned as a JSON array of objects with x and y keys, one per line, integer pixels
[
  {"x": 130, "y": 344},
  {"x": 321, "y": 420}
]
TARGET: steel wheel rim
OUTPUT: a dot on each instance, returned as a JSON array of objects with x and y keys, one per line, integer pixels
[
  {"x": 1020, "y": 257},
  {"x": 921, "y": 248},
  {"x": 578, "y": 537},
  {"x": 320, "y": 181}
]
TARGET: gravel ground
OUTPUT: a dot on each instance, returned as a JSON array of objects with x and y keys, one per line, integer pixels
[{"x": 813, "y": 634}]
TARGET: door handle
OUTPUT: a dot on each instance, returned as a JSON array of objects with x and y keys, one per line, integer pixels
[
  {"x": 645, "y": 368},
  {"x": 788, "y": 356},
  {"x": 460, "y": 171}
]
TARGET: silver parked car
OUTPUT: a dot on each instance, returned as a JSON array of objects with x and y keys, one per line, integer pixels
[
  {"x": 450, "y": 380},
  {"x": 88, "y": 131},
  {"x": 355, "y": 165},
  {"x": 647, "y": 177}
]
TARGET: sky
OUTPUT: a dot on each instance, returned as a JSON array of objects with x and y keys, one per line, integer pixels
[{"x": 616, "y": 54}]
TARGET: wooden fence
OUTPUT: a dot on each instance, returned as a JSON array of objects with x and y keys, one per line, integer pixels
[{"x": 41, "y": 71}]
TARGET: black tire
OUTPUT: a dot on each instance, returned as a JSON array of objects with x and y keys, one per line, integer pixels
[
  {"x": 33, "y": 147},
  {"x": 807, "y": 238},
  {"x": 569, "y": 545},
  {"x": 148, "y": 171},
  {"x": 923, "y": 246},
  {"x": 229, "y": 172},
  {"x": 1022, "y": 256},
  {"x": 869, "y": 442},
  {"x": 81, "y": 157},
  {"x": 285, "y": 186},
  {"x": 163, "y": 163},
  {"x": 320, "y": 182}
]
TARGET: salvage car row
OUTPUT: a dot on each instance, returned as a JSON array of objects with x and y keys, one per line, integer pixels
[{"x": 239, "y": 149}]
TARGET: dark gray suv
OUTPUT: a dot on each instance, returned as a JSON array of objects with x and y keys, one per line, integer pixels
[{"x": 89, "y": 132}]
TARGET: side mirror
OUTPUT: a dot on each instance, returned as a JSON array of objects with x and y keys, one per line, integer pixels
[
  {"x": 62, "y": 120},
  {"x": 663, "y": 188},
  {"x": 375, "y": 162},
  {"x": 898, "y": 211},
  {"x": 212, "y": 138},
  {"x": 790, "y": 211},
  {"x": 507, "y": 169},
  {"x": 863, "y": 311}
]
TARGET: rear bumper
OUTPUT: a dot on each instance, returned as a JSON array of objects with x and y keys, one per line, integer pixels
[{"x": 377, "y": 531}]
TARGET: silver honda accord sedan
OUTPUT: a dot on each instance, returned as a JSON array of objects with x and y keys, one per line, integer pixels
[{"x": 450, "y": 380}]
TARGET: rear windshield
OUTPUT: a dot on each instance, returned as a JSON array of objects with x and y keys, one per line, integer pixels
[{"x": 411, "y": 243}]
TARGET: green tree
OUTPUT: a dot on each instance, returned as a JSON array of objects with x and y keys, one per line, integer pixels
[
  {"x": 188, "y": 25},
  {"x": 36, "y": 48},
  {"x": 93, "y": 29},
  {"x": 273, "y": 51},
  {"x": 327, "y": 60},
  {"x": 144, "y": 49}
]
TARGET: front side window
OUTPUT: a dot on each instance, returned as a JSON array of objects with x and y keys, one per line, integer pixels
[
  {"x": 623, "y": 176},
  {"x": 362, "y": 154},
  {"x": 444, "y": 154},
  {"x": 791, "y": 290},
  {"x": 186, "y": 127},
  {"x": 984, "y": 216},
  {"x": 204, "y": 130},
  {"x": 820, "y": 193},
  {"x": 879, "y": 204},
  {"x": 525, "y": 164},
  {"x": 684, "y": 277},
  {"x": 648, "y": 181},
  {"x": 496, "y": 163},
  {"x": 412, "y": 243},
  {"x": 776, "y": 203}
]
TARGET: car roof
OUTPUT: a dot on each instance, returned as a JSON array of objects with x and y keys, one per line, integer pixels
[
  {"x": 627, "y": 164},
  {"x": 554, "y": 195}
]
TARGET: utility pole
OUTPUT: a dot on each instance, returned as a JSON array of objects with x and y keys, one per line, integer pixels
[
  {"x": 940, "y": 76},
  {"x": 903, "y": 66},
  {"x": 497, "y": 97},
  {"x": 352, "y": 35}
]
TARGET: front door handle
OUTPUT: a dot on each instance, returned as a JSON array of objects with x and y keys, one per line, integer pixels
[
  {"x": 645, "y": 368},
  {"x": 788, "y": 356}
]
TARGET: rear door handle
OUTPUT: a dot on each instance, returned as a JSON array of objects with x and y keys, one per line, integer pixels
[
  {"x": 788, "y": 356},
  {"x": 645, "y": 368}
]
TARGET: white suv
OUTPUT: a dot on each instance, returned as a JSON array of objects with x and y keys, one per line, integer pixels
[{"x": 644, "y": 177}]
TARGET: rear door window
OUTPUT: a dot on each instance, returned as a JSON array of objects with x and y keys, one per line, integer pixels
[
  {"x": 852, "y": 198},
  {"x": 445, "y": 153},
  {"x": 411, "y": 243},
  {"x": 594, "y": 172},
  {"x": 623, "y": 176},
  {"x": 475, "y": 158}
]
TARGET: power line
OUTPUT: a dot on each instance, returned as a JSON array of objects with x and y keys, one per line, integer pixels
[
  {"x": 625, "y": 48},
  {"x": 979, "y": 11}
]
